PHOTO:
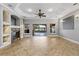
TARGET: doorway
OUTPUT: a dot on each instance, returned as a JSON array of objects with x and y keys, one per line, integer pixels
[{"x": 39, "y": 29}]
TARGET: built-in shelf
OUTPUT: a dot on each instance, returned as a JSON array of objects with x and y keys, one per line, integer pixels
[
  {"x": 6, "y": 23},
  {"x": 4, "y": 35},
  {"x": 6, "y": 44},
  {"x": 15, "y": 26},
  {"x": 6, "y": 38},
  {"x": 5, "y": 29}
]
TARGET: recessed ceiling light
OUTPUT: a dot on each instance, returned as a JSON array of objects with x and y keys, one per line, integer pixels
[
  {"x": 50, "y": 10},
  {"x": 61, "y": 20},
  {"x": 29, "y": 10}
]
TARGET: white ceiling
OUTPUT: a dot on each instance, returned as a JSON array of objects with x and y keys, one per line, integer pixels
[{"x": 58, "y": 9}]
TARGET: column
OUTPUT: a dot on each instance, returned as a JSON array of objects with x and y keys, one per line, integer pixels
[{"x": 21, "y": 28}]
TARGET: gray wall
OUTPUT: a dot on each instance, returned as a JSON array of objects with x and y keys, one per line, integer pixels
[
  {"x": 71, "y": 34},
  {"x": 15, "y": 20},
  {"x": 68, "y": 23},
  {"x": 1, "y": 25}
]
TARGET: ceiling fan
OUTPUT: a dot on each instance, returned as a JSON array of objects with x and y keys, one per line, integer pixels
[{"x": 40, "y": 14}]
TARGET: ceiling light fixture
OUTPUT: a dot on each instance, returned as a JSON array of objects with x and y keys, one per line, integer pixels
[
  {"x": 50, "y": 10},
  {"x": 29, "y": 10},
  {"x": 62, "y": 21}
]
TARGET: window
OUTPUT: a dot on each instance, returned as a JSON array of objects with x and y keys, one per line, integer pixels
[
  {"x": 26, "y": 28},
  {"x": 52, "y": 28}
]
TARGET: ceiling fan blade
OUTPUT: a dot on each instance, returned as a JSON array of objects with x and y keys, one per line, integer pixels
[
  {"x": 43, "y": 15},
  {"x": 40, "y": 14},
  {"x": 35, "y": 13}
]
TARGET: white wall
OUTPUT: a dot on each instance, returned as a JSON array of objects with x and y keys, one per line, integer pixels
[
  {"x": 71, "y": 34},
  {"x": 42, "y": 21}
]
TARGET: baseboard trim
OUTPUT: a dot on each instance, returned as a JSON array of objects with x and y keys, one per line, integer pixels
[{"x": 73, "y": 41}]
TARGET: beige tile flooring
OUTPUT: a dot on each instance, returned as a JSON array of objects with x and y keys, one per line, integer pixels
[{"x": 41, "y": 46}]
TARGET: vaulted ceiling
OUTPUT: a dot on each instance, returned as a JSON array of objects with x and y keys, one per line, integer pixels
[{"x": 51, "y": 10}]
